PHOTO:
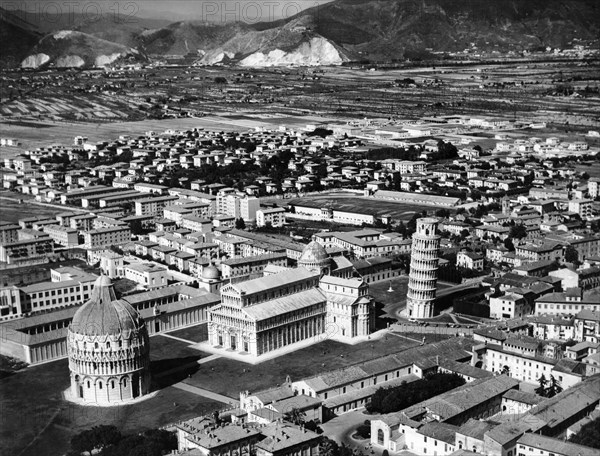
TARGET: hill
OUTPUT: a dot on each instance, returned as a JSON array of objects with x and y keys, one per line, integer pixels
[
  {"x": 68, "y": 48},
  {"x": 17, "y": 37},
  {"x": 394, "y": 28},
  {"x": 326, "y": 34}
]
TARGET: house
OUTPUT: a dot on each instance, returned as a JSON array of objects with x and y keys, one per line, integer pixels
[
  {"x": 469, "y": 260},
  {"x": 530, "y": 444}
]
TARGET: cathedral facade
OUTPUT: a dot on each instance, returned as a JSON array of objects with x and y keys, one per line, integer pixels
[{"x": 313, "y": 301}]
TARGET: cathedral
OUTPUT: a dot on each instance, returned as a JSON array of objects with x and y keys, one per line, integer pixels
[
  {"x": 108, "y": 349},
  {"x": 318, "y": 298}
]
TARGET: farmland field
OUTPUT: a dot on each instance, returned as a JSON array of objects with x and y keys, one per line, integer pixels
[{"x": 11, "y": 211}]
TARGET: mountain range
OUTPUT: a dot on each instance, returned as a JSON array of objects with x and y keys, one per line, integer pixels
[{"x": 342, "y": 30}]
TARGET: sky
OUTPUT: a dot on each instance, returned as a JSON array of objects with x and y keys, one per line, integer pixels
[{"x": 220, "y": 11}]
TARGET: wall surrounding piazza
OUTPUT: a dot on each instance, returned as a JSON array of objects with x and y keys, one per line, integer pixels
[
  {"x": 423, "y": 269},
  {"x": 109, "y": 369}
]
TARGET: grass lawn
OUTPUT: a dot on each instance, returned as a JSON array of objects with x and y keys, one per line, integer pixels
[
  {"x": 174, "y": 356},
  {"x": 398, "y": 210},
  {"x": 380, "y": 292},
  {"x": 396, "y": 300},
  {"x": 164, "y": 348},
  {"x": 197, "y": 333},
  {"x": 34, "y": 411},
  {"x": 325, "y": 356}
]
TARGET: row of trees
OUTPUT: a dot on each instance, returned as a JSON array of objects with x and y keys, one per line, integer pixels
[
  {"x": 107, "y": 440},
  {"x": 588, "y": 435},
  {"x": 395, "y": 398}
]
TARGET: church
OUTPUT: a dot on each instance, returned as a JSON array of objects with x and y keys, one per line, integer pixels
[
  {"x": 109, "y": 350},
  {"x": 318, "y": 299}
]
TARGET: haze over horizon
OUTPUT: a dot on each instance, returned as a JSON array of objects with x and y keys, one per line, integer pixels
[{"x": 217, "y": 11}]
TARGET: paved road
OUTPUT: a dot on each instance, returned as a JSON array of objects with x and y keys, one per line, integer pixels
[{"x": 208, "y": 394}]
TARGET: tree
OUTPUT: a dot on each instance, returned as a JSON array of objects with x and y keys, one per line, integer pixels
[
  {"x": 295, "y": 416},
  {"x": 392, "y": 399},
  {"x": 216, "y": 418},
  {"x": 83, "y": 442},
  {"x": 554, "y": 388},
  {"x": 571, "y": 255},
  {"x": 543, "y": 384},
  {"x": 240, "y": 224},
  {"x": 518, "y": 232},
  {"x": 401, "y": 228},
  {"x": 328, "y": 447},
  {"x": 588, "y": 435},
  {"x": 99, "y": 437},
  {"x": 508, "y": 243}
]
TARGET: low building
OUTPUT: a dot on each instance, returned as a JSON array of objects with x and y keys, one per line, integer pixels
[
  {"x": 236, "y": 269},
  {"x": 570, "y": 302},
  {"x": 374, "y": 269},
  {"x": 521, "y": 359},
  {"x": 530, "y": 444},
  {"x": 9, "y": 233},
  {"x": 41, "y": 337},
  {"x": 67, "y": 237},
  {"x": 30, "y": 251},
  {"x": 270, "y": 217},
  {"x": 68, "y": 287},
  {"x": 149, "y": 275},
  {"x": 510, "y": 305},
  {"x": 476, "y": 400},
  {"x": 106, "y": 237},
  {"x": 469, "y": 260},
  {"x": 153, "y": 205},
  {"x": 200, "y": 437}
]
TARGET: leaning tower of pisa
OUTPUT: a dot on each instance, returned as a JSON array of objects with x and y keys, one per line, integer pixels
[{"x": 423, "y": 269}]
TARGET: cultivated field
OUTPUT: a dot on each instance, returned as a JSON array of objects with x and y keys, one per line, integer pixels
[
  {"x": 11, "y": 211},
  {"x": 45, "y": 133}
]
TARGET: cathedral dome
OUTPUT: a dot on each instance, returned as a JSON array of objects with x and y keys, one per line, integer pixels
[
  {"x": 210, "y": 272},
  {"x": 314, "y": 253},
  {"x": 103, "y": 314}
]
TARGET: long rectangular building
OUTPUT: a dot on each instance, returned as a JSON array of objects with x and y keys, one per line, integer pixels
[
  {"x": 106, "y": 237},
  {"x": 153, "y": 205}
]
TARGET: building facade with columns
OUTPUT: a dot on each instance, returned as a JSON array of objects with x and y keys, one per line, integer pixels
[
  {"x": 108, "y": 350},
  {"x": 423, "y": 274},
  {"x": 259, "y": 316}
]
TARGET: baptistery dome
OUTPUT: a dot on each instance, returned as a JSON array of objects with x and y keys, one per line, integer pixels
[
  {"x": 103, "y": 314},
  {"x": 108, "y": 349}
]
